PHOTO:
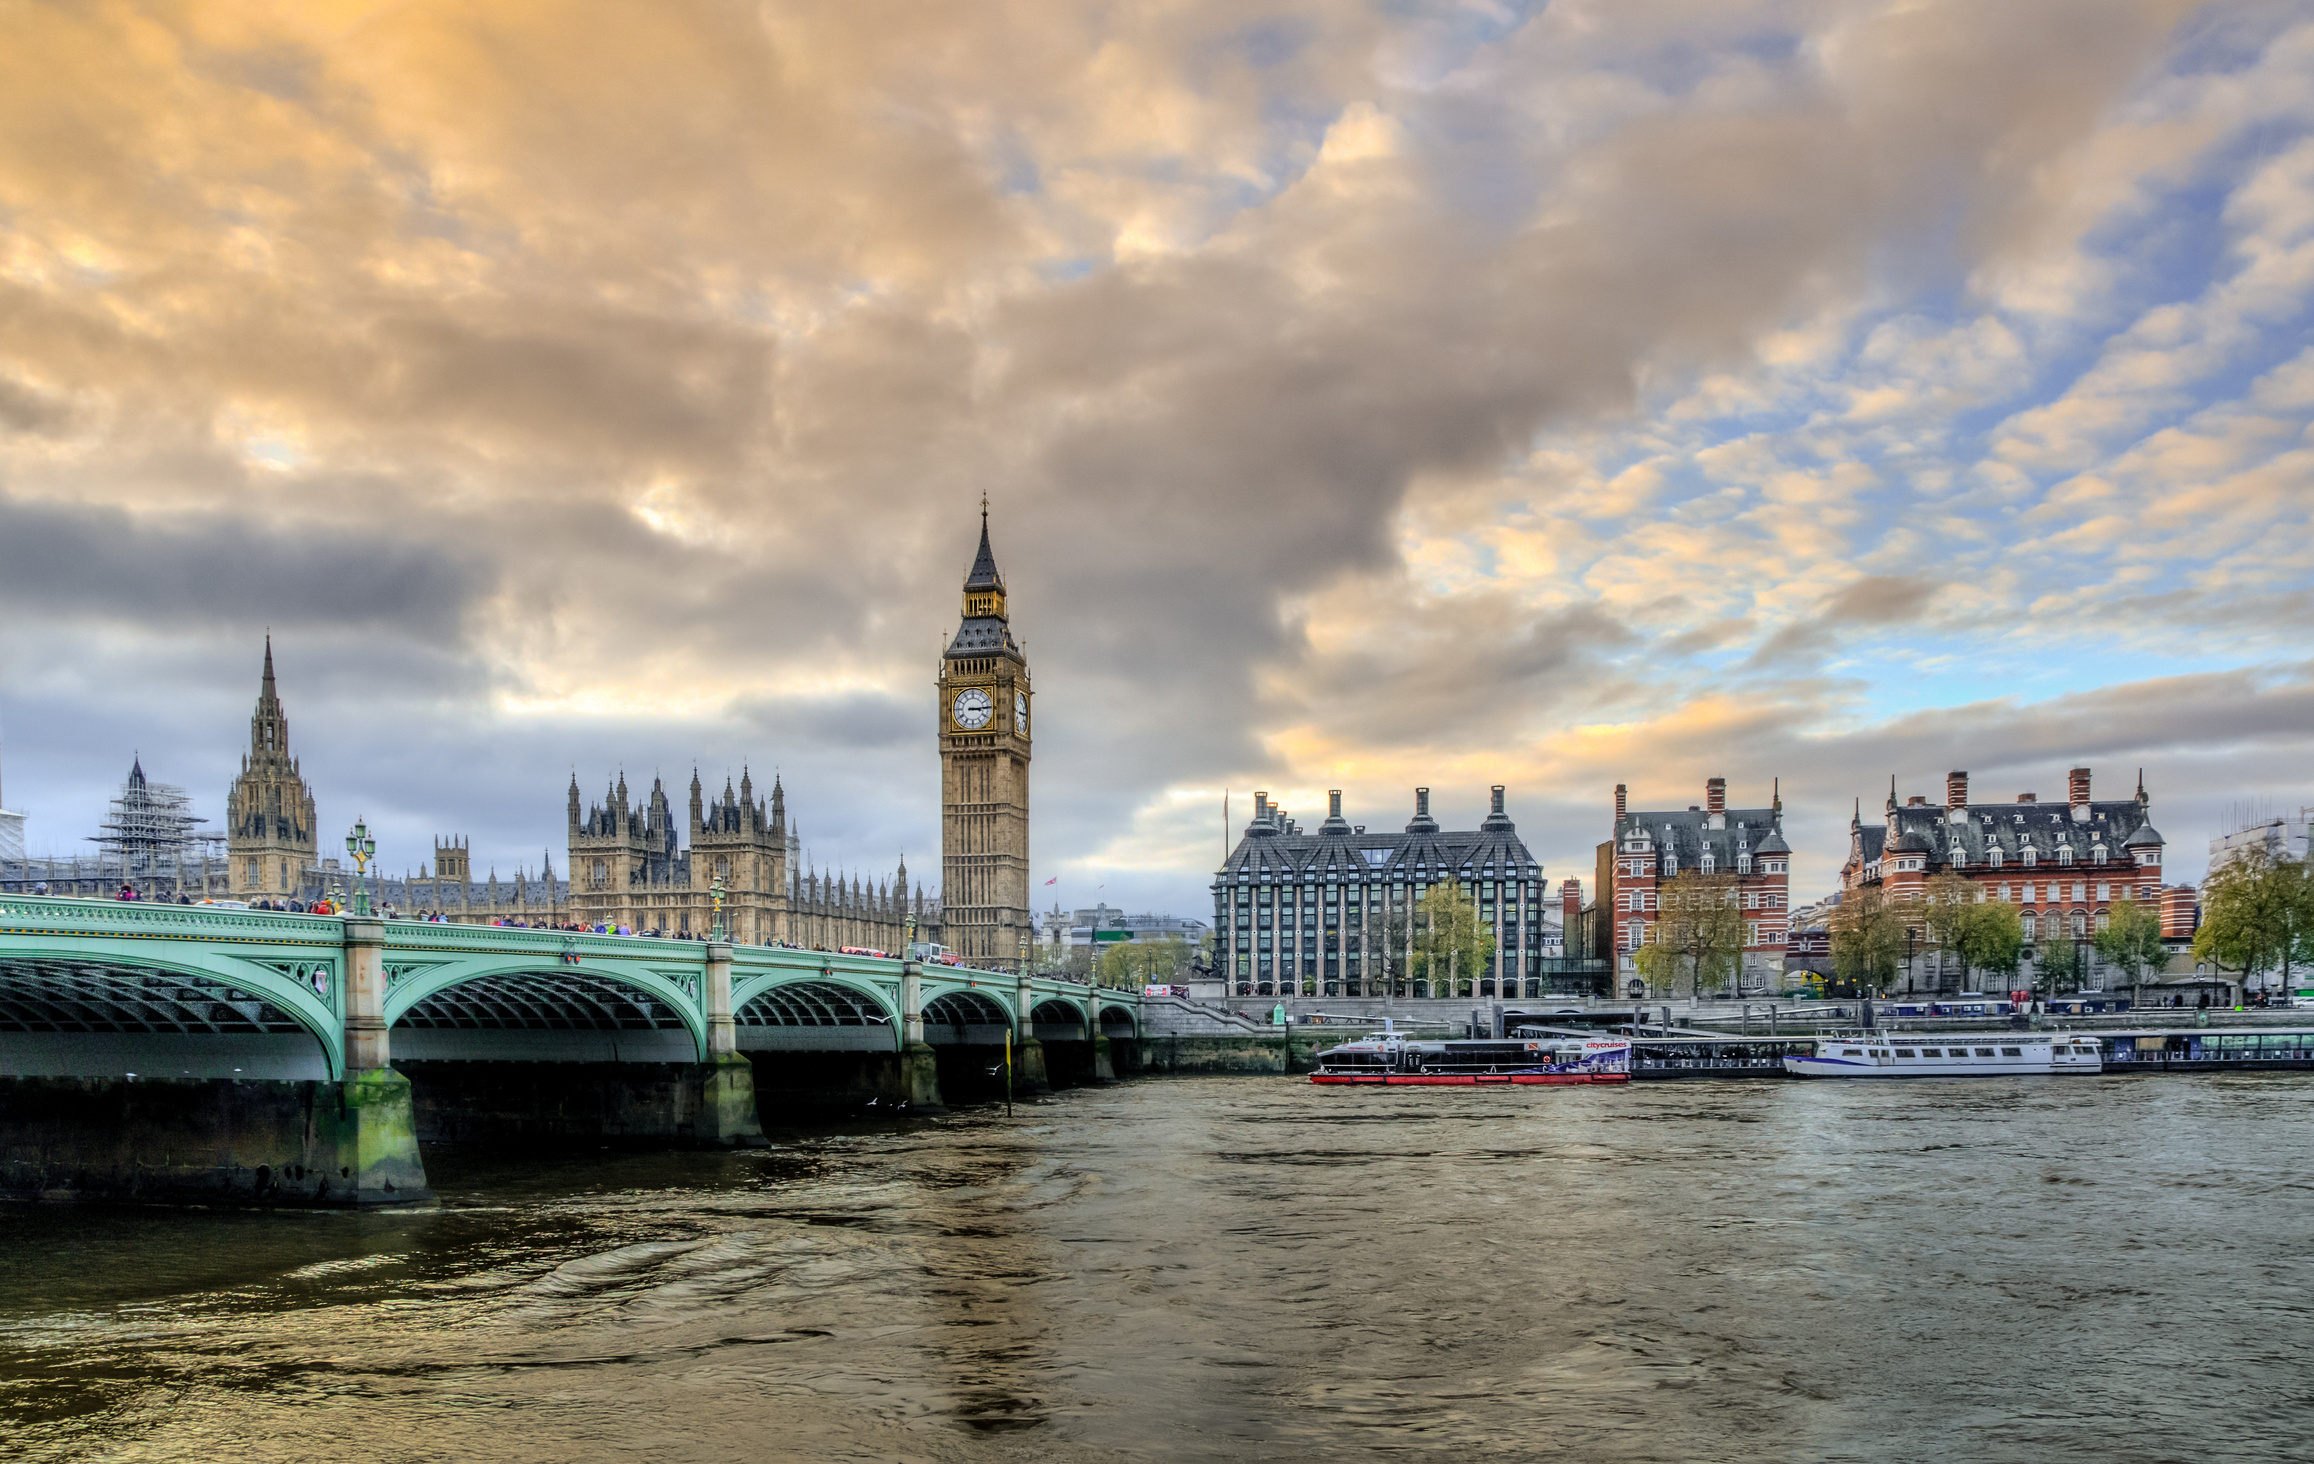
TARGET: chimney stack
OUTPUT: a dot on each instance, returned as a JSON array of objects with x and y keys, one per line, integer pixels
[
  {"x": 1715, "y": 795},
  {"x": 1956, "y": 790},
  {"x": 1260, "y": 807},
  {"x": 1618, "y": 803},
  {"x": 2077, "y": 787},
  {"x": 1333, "y": 803},
  {"x": 1422, "y": 803},
  {"x": 1498, "y": 800}
]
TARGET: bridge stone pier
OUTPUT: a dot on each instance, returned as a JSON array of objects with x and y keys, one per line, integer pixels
[{"x": 191, "y": 1053}]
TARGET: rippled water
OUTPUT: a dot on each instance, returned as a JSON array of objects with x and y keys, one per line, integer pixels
[{"x": 2117, "y": 1268}]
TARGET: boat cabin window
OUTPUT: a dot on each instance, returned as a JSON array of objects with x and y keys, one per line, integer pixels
[
  {"x": 1984, "y": 1052},
  {"x": 1932, "y": 1052},
  {"x": 2012, "y": 1052},
  {"x": 1904, "y": 1052}
]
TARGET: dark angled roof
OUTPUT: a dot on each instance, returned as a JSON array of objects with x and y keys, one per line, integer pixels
[
  {"x": 1274, "y": 848},
  {"x": 984, "y": 575},
  {"x": 1679, "y": 837},
  {"x": 2100, "y": 831},
  {"x": 982, "y": 635}
]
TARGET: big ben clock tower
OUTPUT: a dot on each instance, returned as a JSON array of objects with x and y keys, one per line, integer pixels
[{"x": 984, "y": 747}]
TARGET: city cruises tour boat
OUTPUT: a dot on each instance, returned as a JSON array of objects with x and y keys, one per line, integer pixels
[
  {"x": 1389, "y": 1059},
  {"x": 1945, "y": 1055}
]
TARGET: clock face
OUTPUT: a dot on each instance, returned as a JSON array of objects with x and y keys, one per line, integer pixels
[
  {"x": 1020, "y": 711},
  {"x": 973, "y": 708}
]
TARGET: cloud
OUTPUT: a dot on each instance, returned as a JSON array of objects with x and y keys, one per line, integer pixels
[{"x": 1352, "y": 384}]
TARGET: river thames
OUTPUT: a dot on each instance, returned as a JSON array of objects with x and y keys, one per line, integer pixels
[{"x": 1247, "y": 1268}]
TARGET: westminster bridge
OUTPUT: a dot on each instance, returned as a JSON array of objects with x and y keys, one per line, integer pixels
[{"x": 175, "y": 1051}]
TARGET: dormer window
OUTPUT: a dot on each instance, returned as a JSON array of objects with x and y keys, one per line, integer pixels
[
  {"x": 1743, "y": 864},
  {"x": 1708, "y": 862},
  {"x": 1960, "y": 858},
  {"x": 2032, "y": 856},
  {"x": 1993, "y": 857}
]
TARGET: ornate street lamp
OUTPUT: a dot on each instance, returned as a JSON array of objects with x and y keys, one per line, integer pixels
[
  {"x": 715, "y": 894},
  {"x": 907, "y": 937},
  {"x": 363, "y": 848}
]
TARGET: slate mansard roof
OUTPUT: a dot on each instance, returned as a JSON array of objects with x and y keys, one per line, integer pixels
[
  {"x": 1678, "y": 837},
  {"x": 2101, "y": 832},
  {"x": 1274, "y": 849}
]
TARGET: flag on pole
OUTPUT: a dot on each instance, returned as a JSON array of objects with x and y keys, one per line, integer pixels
[{"x": 1056, "y": 879}]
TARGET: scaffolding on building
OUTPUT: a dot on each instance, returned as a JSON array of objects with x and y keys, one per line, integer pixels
[{"x": 150, "y": 841}]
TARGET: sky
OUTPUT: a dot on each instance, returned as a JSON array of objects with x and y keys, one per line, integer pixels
[{"x": 1367, "y": 396}]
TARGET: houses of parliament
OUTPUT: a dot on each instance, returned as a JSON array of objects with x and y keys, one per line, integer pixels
[{"x": 631, "y": 863}]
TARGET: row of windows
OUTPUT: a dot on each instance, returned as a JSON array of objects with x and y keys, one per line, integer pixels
[
  {"x": 1994, "y": 858},
  {"x": 1397, "y": 889},
  {"x": 1637, "y": 933},
  {"x": 1748, "y": 899}
]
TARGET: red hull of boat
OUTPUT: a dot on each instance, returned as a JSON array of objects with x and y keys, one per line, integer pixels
[{"x": 1465, "y": 1080}]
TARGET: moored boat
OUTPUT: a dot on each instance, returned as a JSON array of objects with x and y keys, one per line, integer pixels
[
  {"x": 1387, "y": 1059},
  {"x": 1946, "y": 1055}
]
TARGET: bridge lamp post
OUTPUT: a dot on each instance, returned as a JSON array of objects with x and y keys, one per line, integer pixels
[
  {"x": 1024, "y": 954},
  {"x": 715, "y": 895},
  {"x": 363, "y": 848},
  {"x": 907, "y": 937}
]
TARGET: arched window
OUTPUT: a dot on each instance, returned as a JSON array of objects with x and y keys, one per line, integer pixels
[{"x": 2080, "y": 924}]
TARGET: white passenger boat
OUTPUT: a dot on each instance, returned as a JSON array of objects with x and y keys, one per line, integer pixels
[{"x": 1946, "y": 1055}]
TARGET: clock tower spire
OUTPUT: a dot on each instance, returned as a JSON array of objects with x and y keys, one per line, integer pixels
[{"x": 984, "y": 752}]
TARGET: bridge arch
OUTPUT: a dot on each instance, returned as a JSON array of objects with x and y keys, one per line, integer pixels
[
  {"x": 817, "y": 1014},
  {"x": 1119, "y": 1021},
  {"x": 1058, "y": 1019},
  {"x": 966, "y": 1016},
  {"x": 526, "y": 1009},
  {"x": 103, "y": 1012}
]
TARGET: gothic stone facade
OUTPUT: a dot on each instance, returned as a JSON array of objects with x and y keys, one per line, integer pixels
[
  {"x": 270, "y": 839},
  {"x": 1653, "y": 846},
  {"x": 984, "y": 755},
  {"x": 1299, "y": 913},
  {"x": 2062, "y": 864},
  {"x": 629, "y": 866}
]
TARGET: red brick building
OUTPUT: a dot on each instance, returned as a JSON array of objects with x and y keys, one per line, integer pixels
[
  {"x": 1653, "y": 846},
  {"x": 2062, "y": 864}
]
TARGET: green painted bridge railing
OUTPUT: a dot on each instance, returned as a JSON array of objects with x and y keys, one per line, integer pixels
[{"x": 64, "y": 963}]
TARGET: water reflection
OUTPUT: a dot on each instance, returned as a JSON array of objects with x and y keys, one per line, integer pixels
[{"x": 1244, "y": 1269}]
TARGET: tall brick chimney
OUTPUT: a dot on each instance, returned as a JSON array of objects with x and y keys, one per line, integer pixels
[
  {"x": 1956, "y": 790},
  {"x": 1618, "y": 803},
  {"x": 2077, "y": 787},
  {"x": 1570, "y": 910},
  {"x": 1715, "y": 795}
]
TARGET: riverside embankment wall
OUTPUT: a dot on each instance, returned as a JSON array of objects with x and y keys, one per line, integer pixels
[{"x": 210, "y": 1141}]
